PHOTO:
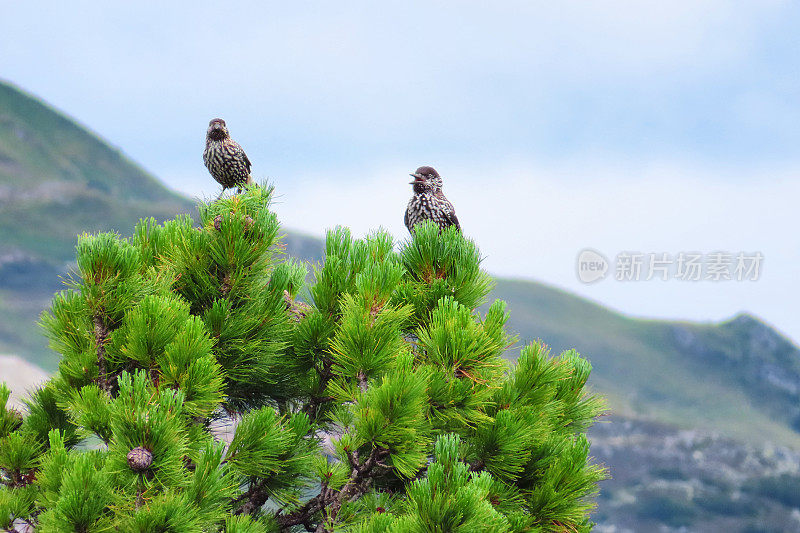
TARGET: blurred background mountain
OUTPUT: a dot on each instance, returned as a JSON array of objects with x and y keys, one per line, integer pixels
[{"x": 706, "y": 416}]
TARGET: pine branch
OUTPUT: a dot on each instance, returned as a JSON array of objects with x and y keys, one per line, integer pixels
[
  {"x": 255, "y": 497},
  {"x": 303, "y": 515},
  {"x": 101, "y": 333},
  {"x": 362, "y": 381},
  {"x": 225, "y": 288},
  {"x": 298, "y": 310},
  {"x": 330, "y": 501},
  {"x": 477, "y": 466},
  {"x": 315, "y": 402},
  {"x": 360, "y": 479},
  {"x": 139, "y": 498}
]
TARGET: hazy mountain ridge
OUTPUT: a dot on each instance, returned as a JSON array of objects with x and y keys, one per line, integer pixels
[{"x": 764, "y": 360}]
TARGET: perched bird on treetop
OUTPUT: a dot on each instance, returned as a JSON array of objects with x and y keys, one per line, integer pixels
[
  {"x": 429, "y": 202},
  {"x": 224, "y": 158}
]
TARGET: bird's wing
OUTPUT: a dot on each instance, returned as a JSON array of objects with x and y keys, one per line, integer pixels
[
  {"x": 240, "y": 152},
  {"x": 449, "y": 211},
  {"x": 246, "y": 161},
  {"x": 453, "y": 219},
  {"x": 405, "y": 220}
]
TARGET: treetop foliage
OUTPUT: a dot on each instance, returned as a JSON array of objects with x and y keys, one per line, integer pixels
[{"x": 207, "y": 385}]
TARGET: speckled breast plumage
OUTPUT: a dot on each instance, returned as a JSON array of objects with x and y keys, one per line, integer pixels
[
  {"x": 227, "y": 163},
  {"x": 430, "y": 206}
]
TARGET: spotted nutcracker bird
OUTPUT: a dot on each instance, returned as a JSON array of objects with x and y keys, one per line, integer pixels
[
  {"x": 224, "y": 158},
  {"x": 429, "y": 202}
]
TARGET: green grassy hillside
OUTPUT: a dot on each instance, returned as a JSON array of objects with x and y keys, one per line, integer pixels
[{"x": 57, "y": 180}]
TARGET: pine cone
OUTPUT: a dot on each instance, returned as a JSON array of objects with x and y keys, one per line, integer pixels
[
  {"x": 248, "y": 222},
  {"x": 140, "y": 459}
]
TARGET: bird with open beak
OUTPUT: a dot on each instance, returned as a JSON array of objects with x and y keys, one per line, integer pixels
[{"x": 429, "y": 202}]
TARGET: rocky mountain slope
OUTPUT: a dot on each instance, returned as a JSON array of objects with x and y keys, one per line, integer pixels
[{"x": 677, "y": 480}]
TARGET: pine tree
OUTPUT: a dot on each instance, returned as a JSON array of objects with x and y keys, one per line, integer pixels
[{"x": 383, "y": 404}]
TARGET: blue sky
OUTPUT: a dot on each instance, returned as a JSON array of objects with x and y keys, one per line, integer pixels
[{"x": 625, "y": 125}]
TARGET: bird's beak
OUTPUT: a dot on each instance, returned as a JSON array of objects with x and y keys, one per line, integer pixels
[{"x": 417, "y": 178}]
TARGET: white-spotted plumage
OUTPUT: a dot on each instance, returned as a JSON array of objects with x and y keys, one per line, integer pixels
[{"x": 429, "y": 202}]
